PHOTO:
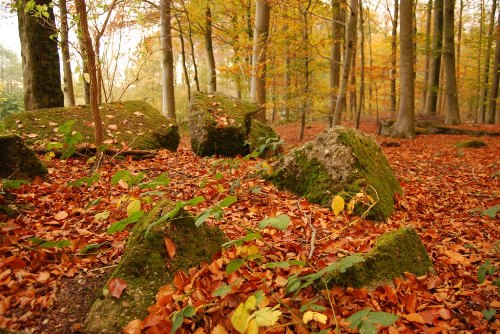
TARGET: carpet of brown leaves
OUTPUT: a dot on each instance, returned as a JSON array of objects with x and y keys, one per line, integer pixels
[{"x": 445, "y": 191}]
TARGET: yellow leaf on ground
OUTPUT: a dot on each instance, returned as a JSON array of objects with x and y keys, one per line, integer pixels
[
  {"x": 414, "y": 317},
  {"x": 240, "y": 318},
  {"x": 337, "y": 205},
  {"x": 316, "y": 316}
]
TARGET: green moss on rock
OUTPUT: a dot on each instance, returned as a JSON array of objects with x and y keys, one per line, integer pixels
[
  {"x": 17, "y": 160},
  {"x": 135, "y": 123},
  {"x": 473, "y": 143},
  {"x": 394, "y": 254},
  {"x": 259, "y": 134},
  {"x": 145, "y": 266},
  {"x": 340, "y": 161}
]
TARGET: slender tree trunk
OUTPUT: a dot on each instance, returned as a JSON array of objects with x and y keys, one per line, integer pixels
[
  {"x": 191, "y": 44},
  {"x": 183, "y": 54},
  {"x": 352, "y": 86},
  {"x": 335, "y": 57},
  {"x": 212, "y": 75},
  {"x": 405, "y": 124},
  {"x": 452, "y": 113},
  {"x": 394, "y": 37},
  {"x": 168, "y": 108},
  {"x": 437, "y": 44},
  {"x": 68, "y": 76},
  {"x": 486, "y": 69},
  {"x": 350, "y": 32},
  {"x": 287, "y": 85},
  {"x": 490, "y": 115},
  {"x": 40, "y": 60},
  {"x": 479, "y": 57},
  {"x": 306, "y": 96},
  {"x": 90, "y": 59},
  {"x": 362, "y": 66},
  {"x": 258, "y": 83},
  {"x": 459, "y": 39},
  {"x": 427, "y": 53}
]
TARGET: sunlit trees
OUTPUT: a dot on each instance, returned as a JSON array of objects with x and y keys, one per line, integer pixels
[
  {"x": 452, "y": 109},
  {"x": 168, "y": 108}
]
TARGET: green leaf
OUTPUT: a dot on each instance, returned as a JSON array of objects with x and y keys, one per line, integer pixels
[
  {"x": 122, "y": 224},
  {"x": 355, "y": 319},
  {"x": 367, "y": 328},
  {"x": 234, "y": 265},
  {"x": 489, "y": 313},
  {"x": 491, "y": 212},
  {"x": 194, "y": 201},
  {"x": 280, "y": 222},
  {"x": 218, "y": 176},
  {"x": 89, "y": 180},
  {"x": 203, "y": 183},
  {"x": 202, "y": 218},
  {"x": 160, "y": 180},
  {"x": 54, "y": 145},
  {"x": 256, "y": 190},
  {"x": 91, "y": 247},
  {"x": 66, "y": 127},
  {"x": 133, "y": 206},
  {"x": 484, "y": 269},
  {"x": 124, "y": 175},
  {"x": 93, "y": 202},
  {"x": 285, "y": 264},
  {"x": 222, "y": 290},
  {"x": 50, "y": 244},
  {"x": 13, "y": 184},
  {"x": 227, "y": 201},
  {"x": 68, "y": 152},
  {"x": 382, "y": 318}
]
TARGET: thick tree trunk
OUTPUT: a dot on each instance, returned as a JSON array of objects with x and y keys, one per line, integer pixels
[
  {"x": 40, "y": 60},
  {"x": 452, "y": 112},
  {"x": 89, "y": 58},
  {"x": 362, "y": 66},
  {"x": 68, "y": 76},
  {"x": 258, "y": 83},
  {"x": 168, "y": 108},
  {"x": 427, "y": 53},
  {"x": 350, "y": 32},
  {"x": 405, "y": 124},
  {"x": 335, "y": 57},
  {"x": 486, "y": 68},
  {"x": 437, "y": 44},
  {"x": 394, "y": 36},
  {"x": 212, "y": 75},
  {"x": 490, "y": 115}
]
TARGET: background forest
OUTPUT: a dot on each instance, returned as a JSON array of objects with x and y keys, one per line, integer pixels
[{"x": 212, "y": 44}]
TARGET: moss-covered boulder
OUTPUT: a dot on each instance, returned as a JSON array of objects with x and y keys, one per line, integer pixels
[
  {"x": 341, "y": 161},
  {"x": 135, "y": 123},
  {"x": 18, "y": 161},
  {"x": 145, "y": 266},
  {"x": 394, "y": 254},
  {"x": 264, "y": 139}
]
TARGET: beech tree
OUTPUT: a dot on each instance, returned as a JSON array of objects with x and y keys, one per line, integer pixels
[
  {"x": 68, "y": 75},
  {"x": 452, "y": 111},
  {"x": 212, "y": 75},
  {"x": 40, "y": 58},
  {"x": 335, "y": 57},
  {"x": 492, "y": 114},
  {"x": 168, "y": 106}
]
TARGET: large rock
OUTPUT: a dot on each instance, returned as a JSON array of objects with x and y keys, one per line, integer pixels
[
  {"x": 394, "y": 254},
  {"x": 18, "y": 161},
  {"x": 135, "y": 123},
  {"x": 222, "y": 125},
  {"x": 145, "y": 266},
  {"x": 341, "y": 161}
]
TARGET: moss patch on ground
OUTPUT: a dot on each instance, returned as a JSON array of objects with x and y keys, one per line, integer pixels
[
  {"x": 394, "y": 254},
  {"x": 145, "y": 266},
  {"x": 135, "y": 123},
  {"x": 18, "y": 161},
  {"x": 341, "y": 161},
  {"x": 473, "y": 143}
]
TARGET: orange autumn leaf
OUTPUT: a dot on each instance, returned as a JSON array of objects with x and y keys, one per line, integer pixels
[
  {"x": 170, "y": 247},
  {"x": 414, "y": 317},
  {"x": 61, "y": 215},
  {"x": 116, "y": 287}
]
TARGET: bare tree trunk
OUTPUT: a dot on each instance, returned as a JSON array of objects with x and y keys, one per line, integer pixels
[
  {"x": 183, "y": 54},
  {"x": 352, "y": 86},
  {"x": 212, "y": 75},
  {"x": 350, "y": 32},
  {"x": 459, "y": 39},
  {"x": 68, "y": 76},
  {"x": 287, "y": 85},
  {"x": 168, "y": 108},
  {"x": 89, "y": 57},
  {"x": 486, "y": 68},
  {"x": 191, "y": 44},
  {"x": 370, "y": 97},
  {"x": 260, "y": 40},
  {"x": 452, "y": 113},
  {"x": 335, "y": 58},
  {"x": 490, "y": 115},
  {"x": 394, "y": 37},
  {"x": 405, "y": 124},
  {"x": 362, "y": 66},
  {"x": 306, "y": 96},
  {"x": 427, "y": 53},
  {"x": 479, "y": 56},
  {"x": 437, "y": 43}
]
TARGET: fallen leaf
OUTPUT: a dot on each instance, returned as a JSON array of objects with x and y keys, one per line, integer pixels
[
  {"x": 170, "y": 247},
  {"x": 414, "y": 317},
  {"x": 133, "y": 327},
  {"x": 61, "y": 215},
  {"x": 116, "y": 287}
]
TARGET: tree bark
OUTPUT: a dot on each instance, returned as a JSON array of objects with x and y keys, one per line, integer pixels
[
  {"x": 306, "y": 96},
  {"x": 68, "y": 76},
  {"x": 183, "y": 54},
  {"x": 191, "y": 44},
  {"x": 362, "y": 66},
  {"x": 168, "y": 108},
  {"x": 452, "y": 113},
  {"x": 394, "y": 36},
  {"x": 427, "y": 53},
  {"x": 212, "y": 75},
  {"x": 260, "y": 40},
  {"x": 405, "y": 124},
  {"x": 437, "y": 44},
  {"x": 350, "y": 31},
  {"x": 89, "y": 58},
  {"x": 486, "y": 69},
  {"x": 480, "y": 48},
  {"x": 335, "y": 57},
  {"x": 459, "y": 39},
  {"x": 40, "y": 60},
  {"x": 490, "y": 115}
]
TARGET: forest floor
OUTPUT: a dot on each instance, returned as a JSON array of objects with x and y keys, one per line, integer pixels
[{"x": 446, "y": 190}]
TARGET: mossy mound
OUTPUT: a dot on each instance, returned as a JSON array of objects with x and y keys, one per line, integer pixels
[
  {"x": 340, "y": 161},
  {"x": 135, "y": 123},
  {"x": 473, "y": 143},
  {"x": 264, "y": 138},
  {"x": 145, "y": 266},
  {"x": 17, "y": 160},
  {"x": 222, "y": 125},
  {"x": 394, "y": 254}
]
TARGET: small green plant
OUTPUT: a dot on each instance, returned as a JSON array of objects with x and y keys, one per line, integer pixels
[
  {"x": 71, "y": 140},
  {"x": 365, "y": 321},
  {"x": 42, "y": 243},
  {"x": 11, "y": 184},
  {"x": 216, "y": 210},
  {"x": 271, "y": 144}
]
